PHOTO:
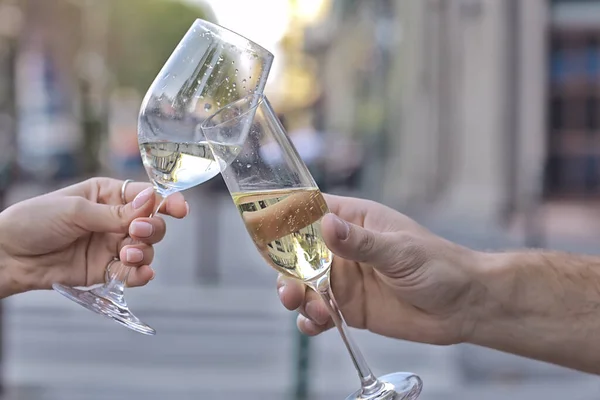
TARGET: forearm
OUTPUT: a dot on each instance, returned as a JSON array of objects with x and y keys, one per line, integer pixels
[{"x": 541, "y": 305}]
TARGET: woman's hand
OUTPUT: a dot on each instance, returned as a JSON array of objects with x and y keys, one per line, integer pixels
[{"x": 69, "y": 236}]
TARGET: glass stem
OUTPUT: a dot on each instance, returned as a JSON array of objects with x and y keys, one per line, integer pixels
[
  {"x": 369, "y": 383},
  {"x": 114, "y": 289}
]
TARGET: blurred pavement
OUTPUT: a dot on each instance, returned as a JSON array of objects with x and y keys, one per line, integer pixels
[{"x": 233, "y": 340}]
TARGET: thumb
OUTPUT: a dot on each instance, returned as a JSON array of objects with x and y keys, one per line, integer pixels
[
  {"x": 95, "y": 217},
  {"x": 355, "y": 243}
]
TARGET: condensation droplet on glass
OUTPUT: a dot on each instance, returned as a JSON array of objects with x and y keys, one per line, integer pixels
[
  {"x": 232, "y": 62},
  {"x": 236, "y": 71},
  {"x": 243, "y": 81},
  {"x": 248, "y": 166},
  {"x": 207, "y": 107},
  {"x": 233, "y": 85}
]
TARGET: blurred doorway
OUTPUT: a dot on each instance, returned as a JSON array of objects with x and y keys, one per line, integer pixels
[{"x": 573, "y": 160}]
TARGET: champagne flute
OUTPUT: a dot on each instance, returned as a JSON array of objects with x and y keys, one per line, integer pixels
[
  {"x": 210, "y": 67},
  {"x": 282, "y": 208}
]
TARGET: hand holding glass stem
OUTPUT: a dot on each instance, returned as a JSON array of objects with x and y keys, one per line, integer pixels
[{"x": 282, "y": 209}]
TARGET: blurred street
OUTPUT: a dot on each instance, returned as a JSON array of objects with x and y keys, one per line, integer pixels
[
  {"x": 234, "y": 340},
  {"x": 478, "y": 118}
]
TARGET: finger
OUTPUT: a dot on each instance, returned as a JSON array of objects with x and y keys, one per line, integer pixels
[
  {"x": 94, "y": 217},
  {"x": 136, "y": 255},
  {"x": 140, "y": 276},
  {"x": 354, "y": 243},
  {"x": 148, "y": 230},
  {"x": 291, "y": 292},
  {"x": 175, "y": 205},
  {"x": 314, "y": 308},
  {"x": 287, "y": 216},
  {"x": 310, "y": 328}
]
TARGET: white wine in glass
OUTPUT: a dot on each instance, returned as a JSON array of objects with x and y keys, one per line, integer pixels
[
  {"x": 210, "y": 66},
  {"x": 282, "y": 208}
]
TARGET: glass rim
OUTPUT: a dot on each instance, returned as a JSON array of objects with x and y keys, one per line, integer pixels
[
  {"x": 258, "y": 96},
  {"x": 214, "y": 26}
]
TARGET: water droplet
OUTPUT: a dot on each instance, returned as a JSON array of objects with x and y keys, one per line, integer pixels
[
  {"x": 226, "y": 79},
  {"x": 248, "y": 166},
  {"x": 207, "y": 107},
  {"x": 243, "y": 81},
  {"x": 236, "y": 71},
  {"x": 233, "y": 85},
  {"x": 233, "y": 62}
]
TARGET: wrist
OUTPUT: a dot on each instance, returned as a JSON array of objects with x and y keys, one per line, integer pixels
[
  {"x": 9, "y": 275},
  {"x": 492, "y": 277}
]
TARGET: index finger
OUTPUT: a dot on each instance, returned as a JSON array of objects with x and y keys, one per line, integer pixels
[
  {"x": 175, "y": 206},
  {"x": 289, "y": 215}
]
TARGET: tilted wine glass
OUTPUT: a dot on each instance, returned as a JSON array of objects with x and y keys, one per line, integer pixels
[
  {"x": 210, "y": 67},
  {"x": 282, "y": 209}
]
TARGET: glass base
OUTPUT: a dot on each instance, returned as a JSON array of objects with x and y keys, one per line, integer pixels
[
  {"x": 93, "y": 301},
  {"x": 397, "y": 386}
]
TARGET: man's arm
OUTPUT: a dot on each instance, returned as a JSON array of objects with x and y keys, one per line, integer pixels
[
  {"x": 542, "y": 305},
  {"x": 10, "y": 279}
]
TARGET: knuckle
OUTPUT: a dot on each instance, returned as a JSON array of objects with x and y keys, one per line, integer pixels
[
  {"x": 411, "y": 252},
  {"x": 366, "y": 242},
  {"x": 77, "y": 207},
  {"x": 118, "y": 213}
]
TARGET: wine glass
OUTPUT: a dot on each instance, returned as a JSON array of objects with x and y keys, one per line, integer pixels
[
  {"x": 282, "y": 208},
  {"x": 210, "y": 67}
]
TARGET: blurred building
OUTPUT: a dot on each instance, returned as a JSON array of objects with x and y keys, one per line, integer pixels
[
  {"x": 47, "y": 88},
  {"x": 449, "y": 98}
]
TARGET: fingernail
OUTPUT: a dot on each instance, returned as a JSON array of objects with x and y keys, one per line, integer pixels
[
  {"x": 134, "y": 255},
  {"x": 142, "y": 198},
  {"x": 312, "y": 309},
  {"x": 187, "y": 208},
  {"x": 153, "y": 275},
  {"x": 141, "y": 229},
  {"x": 342, "y": 229},
  {"x": 280, "y": 291}
]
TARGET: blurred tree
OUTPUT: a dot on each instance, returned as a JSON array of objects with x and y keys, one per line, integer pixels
[{"x": 143, "y": 33}]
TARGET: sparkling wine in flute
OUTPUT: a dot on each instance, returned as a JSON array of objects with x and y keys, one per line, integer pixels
[{"x": 285, "y": 225}]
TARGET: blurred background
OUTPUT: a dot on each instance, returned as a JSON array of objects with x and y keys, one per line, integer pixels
[{"x": 479, "y": 118}]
